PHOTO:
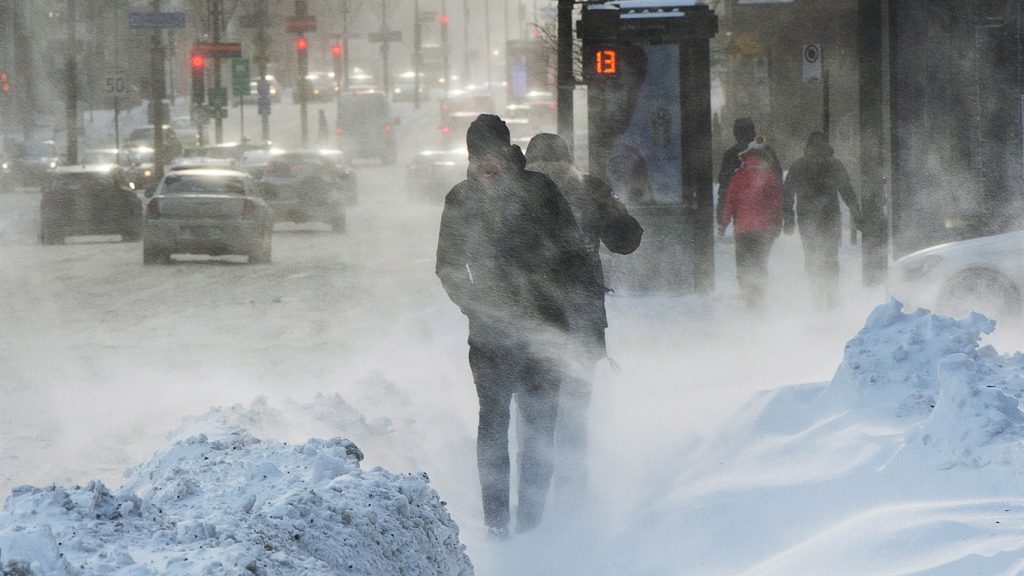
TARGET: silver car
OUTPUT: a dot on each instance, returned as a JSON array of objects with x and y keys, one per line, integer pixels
[{"x": 207, "y": 211}]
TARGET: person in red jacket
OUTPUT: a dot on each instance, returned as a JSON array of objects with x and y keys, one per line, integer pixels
[{"x": 753, "y": 203}]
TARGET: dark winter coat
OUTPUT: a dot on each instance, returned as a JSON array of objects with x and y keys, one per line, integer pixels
[
  {"x": 754, "y": 197},
  {"x": 508, "y": 255},
  {"x": 814, "y": 184},
  {"x": 731, "y": 163},
  {"x": 601, "y": 218}
]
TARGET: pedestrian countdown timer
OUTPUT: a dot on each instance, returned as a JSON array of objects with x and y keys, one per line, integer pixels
[{"x": 606, "y": 62}]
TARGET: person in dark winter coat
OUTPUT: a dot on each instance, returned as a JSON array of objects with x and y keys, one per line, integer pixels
[
  {"x": 508, "y": 253},
  {"x": 754, "y": 201},
  {"x": 601, "y": 218},
  {"x": 744, "y": 132},
  {"x": 815, "y": 183}
]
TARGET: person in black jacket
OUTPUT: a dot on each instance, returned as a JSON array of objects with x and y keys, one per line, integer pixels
[
  {"x": 601, "y": 218},
  {"x": 745, "y": 133},
  {"x": 815, "y": 183},
  {"x": 508, "y": 252}
]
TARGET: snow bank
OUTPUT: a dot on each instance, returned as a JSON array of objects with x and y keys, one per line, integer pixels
[{"x": 221, "y": 501}]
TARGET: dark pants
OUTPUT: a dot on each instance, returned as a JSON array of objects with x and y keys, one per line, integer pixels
[
  {"x": 586, "y": 347},
  {"x": 752, "y": 249},
  {"x": 821, "y": 259},
  {"x": 501, "y": 371}
]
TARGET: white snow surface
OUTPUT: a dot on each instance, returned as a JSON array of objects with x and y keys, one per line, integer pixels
[
  {"x": 217, "y": 500},
  {"x": 908, "y": 462}
]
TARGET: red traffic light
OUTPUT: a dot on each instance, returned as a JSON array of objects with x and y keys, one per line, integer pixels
[
  {"x": 198, "y": 61},
  {"x": 444, "y": 19},
  {"x": 336, "y": 50},
  {"x": 301, "y": 44}
]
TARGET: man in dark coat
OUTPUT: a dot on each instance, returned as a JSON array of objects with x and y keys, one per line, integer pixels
[
  {"x": 601, "y": 218},
  {"x": 815, "y": 183},
  {"x": 507, "y": 255},
  {"x": 744, "y": 132}
]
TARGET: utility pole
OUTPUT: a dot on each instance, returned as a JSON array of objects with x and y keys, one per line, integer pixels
[
  {"x": 262, "y": 42},
  {"x": 465, "y": 42},
  {"x": 156, "y": 103},
  {"x": 216, "y": 20},
  {"x": 71, "y": 104},
  {"x": 445, "y": 49},
  {"x": 24, "y": 86},
  {"x": 302, "y": 55},
  {"x": 385, "y": 46},
  {"x": 344, "y": 44},
  {"x": 566, "y": 78},
  {"x": 487, "y": 41},
  {"x": 417, "y": 54}
]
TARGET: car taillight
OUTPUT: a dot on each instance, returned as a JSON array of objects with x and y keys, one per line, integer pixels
[
  {"x": 387, "y": 128},
  {"x": 153, "y": 209},
  {"x": 249, "y": 210},
  {"x": 445, "y": 129},
  {"x": 338, "y": 130}
]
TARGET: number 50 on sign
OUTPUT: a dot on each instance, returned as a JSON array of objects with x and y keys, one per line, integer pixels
[{"x": 114, "y": 85}]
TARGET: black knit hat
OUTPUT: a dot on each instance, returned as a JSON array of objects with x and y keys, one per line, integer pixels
[
  {"x": 488, "y": 134},
  {"x": 546, "y": 147}
]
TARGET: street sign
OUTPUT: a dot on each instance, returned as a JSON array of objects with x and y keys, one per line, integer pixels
[
  {"x": 300, "y": 24},
  {"x": 240, "y": 77},
  {"x": 114, "y": 85},
  {"x": 392, "y": 36},
  {"x": 219, "y": 49},
  {"x": 812, "y": 58},
  {"x": 155, "y": 20}
]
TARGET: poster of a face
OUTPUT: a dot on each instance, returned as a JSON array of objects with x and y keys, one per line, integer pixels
[{"x": 643, "y": 110}]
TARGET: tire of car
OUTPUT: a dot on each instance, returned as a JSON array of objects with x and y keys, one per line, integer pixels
[
  {"x": 153, "y": 255},
  {"x": 50, "y": 235},
  {"x": 339, "y": 223},
  {"x": 261, "y": 252},
  {"x": 983, "y": 289}
]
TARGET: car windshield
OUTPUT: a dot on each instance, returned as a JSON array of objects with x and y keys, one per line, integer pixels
[
  {"x": 290, "y": 167},
  {"x": 141, "y": 155},
  {"x": 196, "y": 184},
  {"x": 99, "y": 157},
  {"x": 40, "y": 149}
]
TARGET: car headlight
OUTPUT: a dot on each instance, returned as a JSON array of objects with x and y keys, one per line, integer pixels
[
  {"x": 53, "y": 164},
  {"x": 5, "y": 166},
  {"x": 920, "y": 268},
  {"x": 147, "y": 173}
]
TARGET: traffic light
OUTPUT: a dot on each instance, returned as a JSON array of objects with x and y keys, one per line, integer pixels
[
  {"x": 198, "y": 78},
  {"x": 301, "y": 44},
  {"x": 5, "y": 83},
  {"x": 336, "y": 51},
  {"x": 443, "y": 19}
]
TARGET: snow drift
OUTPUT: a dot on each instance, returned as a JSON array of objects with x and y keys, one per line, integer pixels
[{"x": 217, "y": 500}]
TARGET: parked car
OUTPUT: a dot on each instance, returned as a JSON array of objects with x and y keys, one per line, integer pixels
[
  {"x": 88, "y": 200},
  {"x": 144, "y": 137},
  {"x": 984, "y": 275},
  {"x": 32, "y": 162},
  {"x": 207, "y": 211},
  {"x": 432, "y": 173},
  {"x": 366, "y": 127},
  {"x": 305, "y": 186},
  {"x": 253, "y": 162},
  {"x": 186, "y": 130}
]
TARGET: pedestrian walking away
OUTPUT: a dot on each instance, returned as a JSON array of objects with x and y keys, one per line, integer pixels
[
  {"x": 814, "y": 185},
  {"x": 508, "y": 252},
  {"x": 744, "y": 132},
  {"x": 754, "y": 201},
  {"x": 321, "y": 132},
  {"x": 601, "y": 219}
]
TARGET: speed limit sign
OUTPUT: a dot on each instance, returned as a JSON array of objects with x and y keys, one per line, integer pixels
[
  {"x": 812, "y": 62},
  {"x": 114, "y": 85}
]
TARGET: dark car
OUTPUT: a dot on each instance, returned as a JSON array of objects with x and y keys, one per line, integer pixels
[
  {"x": 346, "y": 173},
  {"x": 145, "y": 135},
  {"x": 365, "y": 126},
  {"x": 432, "y": 173},
  {"x": 304, "y": 187},
  {"x": 88, "y": 200},
  {"x": 32, "y": 162}
]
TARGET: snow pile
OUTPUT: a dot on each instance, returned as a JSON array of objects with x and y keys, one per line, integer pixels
[{"x": 225, "y": 502}]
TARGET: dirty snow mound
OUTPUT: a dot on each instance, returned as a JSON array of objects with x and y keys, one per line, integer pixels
[{"x": 225, "y": 502}]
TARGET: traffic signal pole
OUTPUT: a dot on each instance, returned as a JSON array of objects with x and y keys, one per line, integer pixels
[
  {"x": 566, "y": 78},
  {"x": 156, "y": 101},
  {"x": 71, "y": 108},
  {"x": 302, "y": 54},
  {"x": 217, "y": 23},
  {"x": 262, "y": 57}
]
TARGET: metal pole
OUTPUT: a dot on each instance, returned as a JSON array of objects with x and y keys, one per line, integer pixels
[
  {"x": 566, "y": 79},
  {"x": 241, "y": 118},
  {"x": 216, "y": 19},
  {"x": 417, "y": 55},
  {"x": 385, "y": 47},
  {"x": 487, "y": 41},
  {"x": 303, "y": 62},
  {"x": 262, "y": 56},
  {"x": 344, "y": 44},
  {"x": 117, "y": 124},
  {"x": 445, "y": 49},
  {"x": 465, "y": 42},
  {"x": 71, "y": 108},
  {"x": 157, "y": 97}
]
